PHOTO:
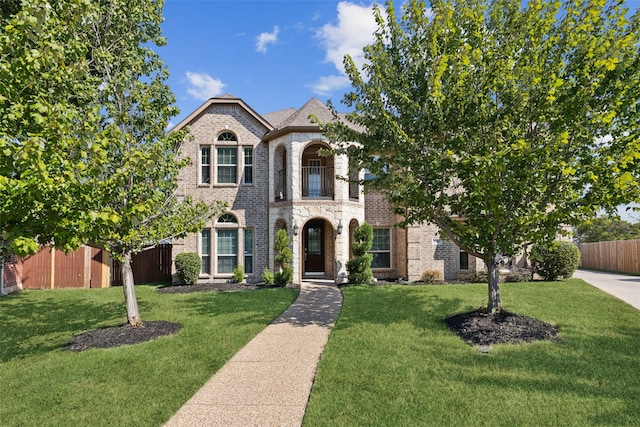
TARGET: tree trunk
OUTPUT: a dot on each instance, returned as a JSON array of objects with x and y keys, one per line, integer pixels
[
  {"x": 133, "y": 315},
  {"x": 494, "y": 304}
]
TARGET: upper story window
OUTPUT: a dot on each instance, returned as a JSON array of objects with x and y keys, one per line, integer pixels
[
  {"x": 227, "y": 165},
  {"x": 205, "y": 165},
  {"x": 227, "y": 160},
  {"x": 227, "y": 137},
  {"x": 247, "y": 175}
]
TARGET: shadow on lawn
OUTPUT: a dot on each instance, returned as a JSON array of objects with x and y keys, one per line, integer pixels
[
  {"x": 32, "y": 326},
  {"x": 247, "y": 307},
  {"x": 598, "y": 362}
]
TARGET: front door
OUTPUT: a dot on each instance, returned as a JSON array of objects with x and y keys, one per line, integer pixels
[{"x": 314, "y": 248}]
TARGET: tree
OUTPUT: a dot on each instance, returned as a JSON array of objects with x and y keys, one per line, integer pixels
[
  {"x": 495, "y": 121},
  {"x": 360, "y": 266},
  {"x": 606, "y": 228},
  {"x": 138, "y": 183},
  {"x": 51, "y": 145},
  {"x": 283, "y": 258}
]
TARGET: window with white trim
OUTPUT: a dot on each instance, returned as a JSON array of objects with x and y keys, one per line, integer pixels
[
  {"x": 227, "y": 165},
  {"x": 381, "y": 248},
  {"x": 205, "y": 165},
  {"x": 248, "y": 251},
  {"x": 205, "y": 251},
  {"x": 247, "y": 174},
  {"x": 226, "y": 244}
]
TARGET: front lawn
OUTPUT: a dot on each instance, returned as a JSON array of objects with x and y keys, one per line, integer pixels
[
  {"x": 137, "y": 385},
  {"x": 392, "y": 361}
]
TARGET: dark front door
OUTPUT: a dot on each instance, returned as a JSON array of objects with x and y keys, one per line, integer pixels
[{"x": 314, "y": 248}]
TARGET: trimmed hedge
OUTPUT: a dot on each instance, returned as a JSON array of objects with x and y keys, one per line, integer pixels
[
  {"x": 188, "y": 266},
  {"x": 556, "y": 260}
]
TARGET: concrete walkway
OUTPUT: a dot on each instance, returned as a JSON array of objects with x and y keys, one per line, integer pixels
[
  {"x": 626, "y": 288},
  {"x": 268, "y": 382}
]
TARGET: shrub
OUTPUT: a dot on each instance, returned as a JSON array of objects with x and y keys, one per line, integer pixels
[
  {"x": 359, "y": 267},
  {"x": 480, "y": 276},
  {"x": 284, "y": 277},
  {"x": 555, "y": 260},
  {"x": 238, "y": 274},
  {"x": 431, "y": 276},
  {"x": 519, "y": 275},
  {"x": 188, "y": 266},
  {"x": 268, "y": 277},
  {"x": 284, "y": 256}
]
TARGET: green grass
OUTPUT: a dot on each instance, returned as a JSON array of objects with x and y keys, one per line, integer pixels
[
  {"x": 391, "y": 361},
  {"x": 41, "y": 384}
]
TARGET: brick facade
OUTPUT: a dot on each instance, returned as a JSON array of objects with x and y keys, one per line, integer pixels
[{"x": 287, "y": 173}]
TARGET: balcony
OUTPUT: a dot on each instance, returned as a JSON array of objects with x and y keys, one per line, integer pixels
[
  {"x": 317, "y": 182},
  {"x": 281, "y": 186}
]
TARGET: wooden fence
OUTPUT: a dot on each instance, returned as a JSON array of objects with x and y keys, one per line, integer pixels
[
  {"x": 50, "y": 268},
  {"x": 150, "y": 266},
  {"x": 90, "y": 268},
  {"x": 620, "y": 255}
]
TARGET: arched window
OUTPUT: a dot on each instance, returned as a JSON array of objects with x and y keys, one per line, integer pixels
[{"x": 227, "y": 137}]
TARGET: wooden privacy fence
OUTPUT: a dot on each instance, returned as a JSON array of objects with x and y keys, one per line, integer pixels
[
  {"x": 150, "y": 266},
  {"x": 50, "y": 268},
  {"x": 89, "y": 268},
  {"x": 619, "y": 255}
]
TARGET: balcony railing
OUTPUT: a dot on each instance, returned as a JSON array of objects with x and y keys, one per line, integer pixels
[{"x": 317, "y": 182}]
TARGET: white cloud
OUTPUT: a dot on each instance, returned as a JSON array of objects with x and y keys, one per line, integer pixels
[
  {"x": 265, "y": 39},
  {"x": 354, "y": 30},
  {"x": 202, "y": 86},
  {"x": 326, "y": 85}
]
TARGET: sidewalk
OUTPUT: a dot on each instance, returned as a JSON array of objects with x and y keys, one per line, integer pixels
[
  {"x": 626, "y": 288},
  {"x": 268, "y": 382}
]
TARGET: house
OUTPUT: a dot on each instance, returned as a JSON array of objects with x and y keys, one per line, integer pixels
[{"x": 269, "y": 170}]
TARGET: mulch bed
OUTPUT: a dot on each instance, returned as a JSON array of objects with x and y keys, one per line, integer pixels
[
  {"x": 122, "y": 335},
  {"x": 480, "y": 328},
  {"x": 125, "y": 334}
]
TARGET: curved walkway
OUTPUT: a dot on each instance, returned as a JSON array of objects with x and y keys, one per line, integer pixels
[
  {"x": 268, "y": 382},
  {"x": 624, "y": 287}
]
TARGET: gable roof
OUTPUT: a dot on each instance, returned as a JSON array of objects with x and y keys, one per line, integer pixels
[
  {"x": 300, "y": 120},
  {"x": 224, "y": 99},
  {"x": 277, "y": 117}
]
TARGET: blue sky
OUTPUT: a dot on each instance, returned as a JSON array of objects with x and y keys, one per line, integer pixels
[{"x": 274, "y": 54}]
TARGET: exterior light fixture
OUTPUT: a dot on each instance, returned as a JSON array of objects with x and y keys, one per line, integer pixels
[
  {"x": 339, "y": 228},
  {"x": 295, "y": 229}
]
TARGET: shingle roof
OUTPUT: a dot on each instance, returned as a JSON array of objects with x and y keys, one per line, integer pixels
[{"x": 277, "y": 117}]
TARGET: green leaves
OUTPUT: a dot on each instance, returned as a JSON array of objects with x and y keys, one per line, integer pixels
[{"x": 496, "y": 121}]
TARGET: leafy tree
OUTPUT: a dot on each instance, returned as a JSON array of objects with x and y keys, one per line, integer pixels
[
  {"x": 50, "y": 142},
  {"x": 606, "y": 228},
  {"x": 360, "y": 266},
  {"x": 138, "y": 183},
  {"x": 497, "y": 121}
]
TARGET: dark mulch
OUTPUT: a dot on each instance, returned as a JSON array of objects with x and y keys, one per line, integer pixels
[
  {"x": 122, "y": 335},
  {"x": 480, "y": 328}
]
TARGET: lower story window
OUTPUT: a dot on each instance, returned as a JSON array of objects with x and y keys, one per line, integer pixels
[
  {"x": 381, "y": 248},
  {"x": 227, "y": 250},
  {"x": 205, "y": 251},
  {"x": 463, "y": 260},
  {"x": 248, "y": 251}
]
